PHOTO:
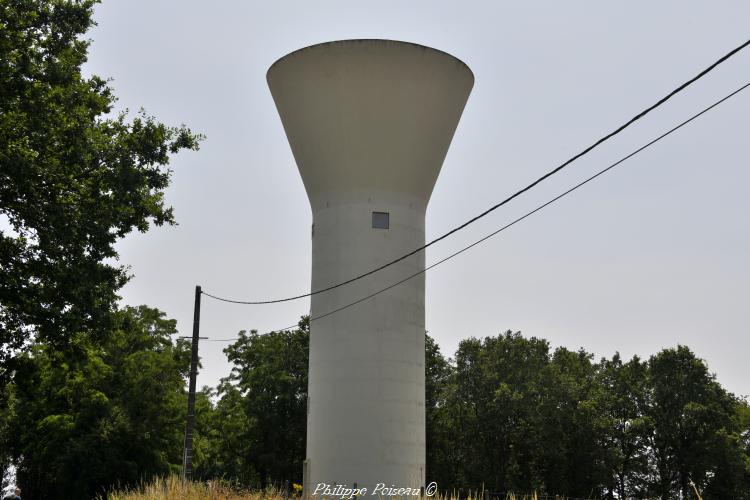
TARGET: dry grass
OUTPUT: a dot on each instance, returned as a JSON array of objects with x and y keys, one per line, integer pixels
[{"x": 173, "y": 488}]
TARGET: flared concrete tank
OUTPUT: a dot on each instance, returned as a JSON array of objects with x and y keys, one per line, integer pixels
[{"x": 369, "y": 123}]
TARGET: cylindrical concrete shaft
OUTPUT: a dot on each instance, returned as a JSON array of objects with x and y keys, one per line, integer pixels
[{"x": 369, "y": 123}]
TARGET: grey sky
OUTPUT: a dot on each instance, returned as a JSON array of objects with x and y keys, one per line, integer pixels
[{"x": 653, "y": 254}]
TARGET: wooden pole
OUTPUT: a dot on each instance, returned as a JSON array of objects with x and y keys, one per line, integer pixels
[{"x": 187, "y": 451}]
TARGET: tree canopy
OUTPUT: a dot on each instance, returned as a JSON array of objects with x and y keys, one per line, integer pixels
[
  {"x": 261, "y": 413},
  {"x": 111, "y": 415},
  {"x": 517, "y": 416},
  {"x": 73, "y": 178}
]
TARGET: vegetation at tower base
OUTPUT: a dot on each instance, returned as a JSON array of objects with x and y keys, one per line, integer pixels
[
  {"x": 508, "y": 414},
  {"x": 256, "y": 431},
  {"x": 73, "y": 179}
]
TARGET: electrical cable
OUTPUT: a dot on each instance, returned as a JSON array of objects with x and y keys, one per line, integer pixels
[
  {"x": 505, "y": 201},
  {"x": 526, "y": 215}
]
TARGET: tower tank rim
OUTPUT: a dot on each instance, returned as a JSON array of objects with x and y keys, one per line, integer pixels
[{"x": 372, "y": 41}]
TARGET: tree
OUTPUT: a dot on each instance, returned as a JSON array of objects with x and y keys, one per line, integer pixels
[
  {"x": 7, "y": 406},
  {"x": 112, "y": 414},
  {"x": 570, "y": 460},
  {"x": 622, "y": 398},
  {"x": 222, "y": 428},
  {"x": 439, "y": 451},
  {"x": 493, "y": 406},
  {"x": 697, "y": 436},
  {"x": 73, "y": 179},
  {"x": 270, "y": 372}
]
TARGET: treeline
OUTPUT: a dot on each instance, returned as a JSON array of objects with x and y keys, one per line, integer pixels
[
  {"x": 507, "y": 414},
  {"x": 513, "y": 415}
]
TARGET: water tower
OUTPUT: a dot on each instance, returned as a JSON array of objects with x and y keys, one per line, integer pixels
[{"x": 369, "y": 123}]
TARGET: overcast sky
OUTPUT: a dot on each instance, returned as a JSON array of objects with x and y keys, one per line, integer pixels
[{"x": 651, "y": 255}]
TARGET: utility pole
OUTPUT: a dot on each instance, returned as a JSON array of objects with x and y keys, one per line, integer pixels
[{"x": 187, "y": 450}]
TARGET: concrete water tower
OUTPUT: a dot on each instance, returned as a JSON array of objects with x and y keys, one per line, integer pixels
[{"x": 369, "y": 123}]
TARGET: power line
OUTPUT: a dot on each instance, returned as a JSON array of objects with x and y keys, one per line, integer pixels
[
  {"x": 526, "y": 215},
  {"x": 505, "y": 201}
]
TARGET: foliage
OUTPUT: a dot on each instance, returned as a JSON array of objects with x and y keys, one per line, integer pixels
[
  {"x": 260, "y": 420},
  {"x": 508, "y": 414},
  {"x": 696, "y": 436},
  {"x": 623, "y": 398},
  {"x": 496, "y": 390},
  {"x": 438, "y": 371},
  {"x": 511, "y": 416},
  {"x": 109, "y": 414},
  {"x": 220, "y": 438},
  {"x": 518, "y": 418},
  {"x": 7, "y": 408},
  {"x": 73, "y": 179}
]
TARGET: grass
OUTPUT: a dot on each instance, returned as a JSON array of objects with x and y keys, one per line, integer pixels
[{"x": 173, "y": 488}]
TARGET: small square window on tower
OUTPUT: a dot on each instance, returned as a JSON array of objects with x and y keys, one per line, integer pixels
[{"x": 380, "y": 220}]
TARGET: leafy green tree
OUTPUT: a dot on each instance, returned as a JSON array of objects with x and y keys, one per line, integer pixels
[
  {"x": 73, "y": 179},
  {"x": 743, "y": 419},
  {"x": 570, "y": 460},
  {"x": 697, "y": 435},
  {"x": 270, "y": 371},
  {"x": 622, "y": 398},
  {"x": 221, "y": 436},
  {"x": 498, "y": 388},
  {"x": 439, "y": 453},
  {"x": 7, "y": 408},
  {"x": 101, "y": 414}
]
